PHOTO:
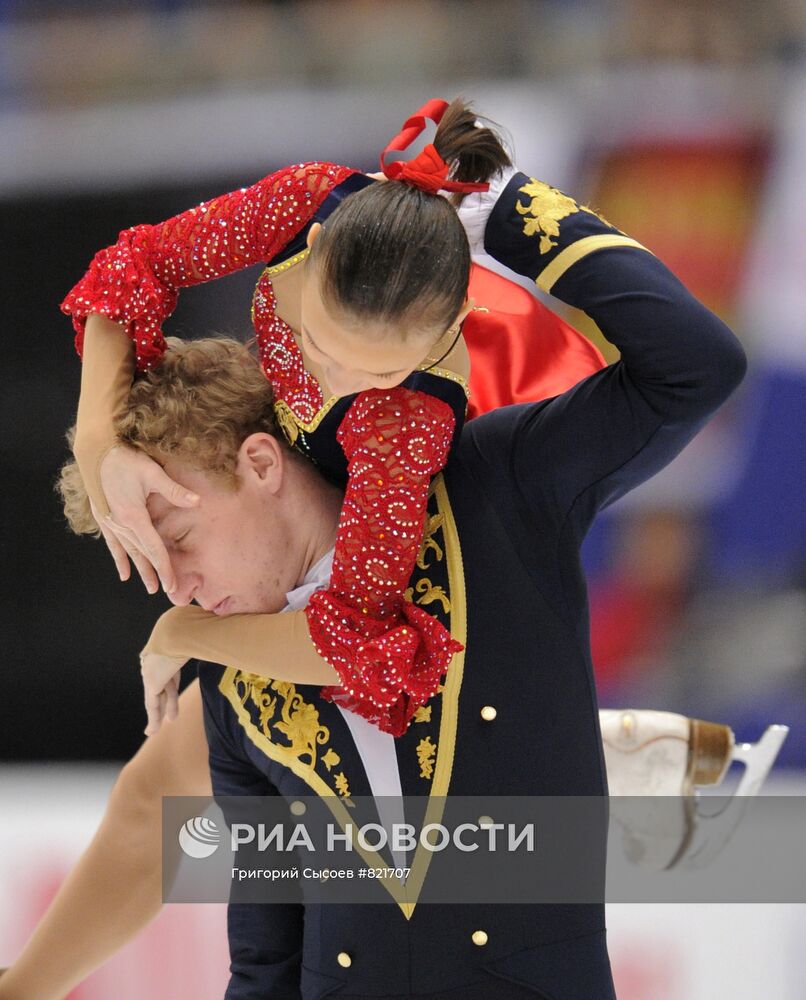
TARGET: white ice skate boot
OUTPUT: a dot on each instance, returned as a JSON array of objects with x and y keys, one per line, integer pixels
[{"x": 650, "y": 753}]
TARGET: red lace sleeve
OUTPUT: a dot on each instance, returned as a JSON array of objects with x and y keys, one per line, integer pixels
[
  {"x": 390, "y": 654},
  {"x": 135, "y": 281}
]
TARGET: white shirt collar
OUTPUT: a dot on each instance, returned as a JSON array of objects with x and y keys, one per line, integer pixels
[{"x": 317, "y": 577}]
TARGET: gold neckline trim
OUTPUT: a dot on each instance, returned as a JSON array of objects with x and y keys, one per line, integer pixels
[{"x": 271, "y": 269}]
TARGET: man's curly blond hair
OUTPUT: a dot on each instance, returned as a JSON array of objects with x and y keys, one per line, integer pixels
[{"x": 198, "y": 405}]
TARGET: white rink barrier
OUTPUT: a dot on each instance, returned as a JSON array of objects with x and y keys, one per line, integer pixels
[{"x": 663, "y": 951}]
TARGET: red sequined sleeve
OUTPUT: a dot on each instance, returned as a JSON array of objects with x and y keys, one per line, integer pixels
[
  {"x": 135, "y": 281},
  {"x": 390, "y": 654}
]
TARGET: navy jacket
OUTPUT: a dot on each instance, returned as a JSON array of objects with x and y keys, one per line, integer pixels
[{"x": 500, "y": 565}]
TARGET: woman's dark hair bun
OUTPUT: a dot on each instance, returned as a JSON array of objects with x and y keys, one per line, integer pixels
[
  {"x": 477, "y": 152},
  {"x": 394, "y": 255}
]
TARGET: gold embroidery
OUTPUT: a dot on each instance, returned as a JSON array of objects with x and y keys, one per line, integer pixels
[
  {"x": 425, "y": 755},
  {"x": 431, "y": 593},
  {"x": 433, "y": 525},
  {"x": 547, "y": 208},
  {"x": 303, "y": 731},
  {"x": 287, "y": 421},
  {"x": 298, "y": 722},
  {"x": 422, "y": 714},
  {"x": 434, "y": 522},
  {"x": 330, "y": 759},
  {"x": 341, "y": 785}
]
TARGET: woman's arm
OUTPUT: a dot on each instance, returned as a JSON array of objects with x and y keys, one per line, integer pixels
[
  {"x": 131, "y": 288},
  {"x": 110, "y": 470},
  {"x": 106, "y": 379},
  {"x": 389, "y": 655},
  {"x": 135, "y": 281},
  {"x": 115, "y": 888}
]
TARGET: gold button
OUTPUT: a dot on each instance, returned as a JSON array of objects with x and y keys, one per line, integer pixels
[
  {"x": 344, "y": 960},
  {"x": 298, "y": 808},
  {"x": 485, "y": 821},
  {"x": 479, "y": 937},
  {"x": 488, "y": 713}
]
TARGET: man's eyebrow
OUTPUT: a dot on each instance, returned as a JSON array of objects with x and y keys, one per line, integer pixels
[{"x": 373, "y": 374}]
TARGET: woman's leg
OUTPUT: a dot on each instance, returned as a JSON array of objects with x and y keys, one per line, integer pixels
[{"x": 115, "y": 888}]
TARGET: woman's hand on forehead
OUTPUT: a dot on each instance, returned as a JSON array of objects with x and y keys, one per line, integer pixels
[{"x": 130, "y": 479}]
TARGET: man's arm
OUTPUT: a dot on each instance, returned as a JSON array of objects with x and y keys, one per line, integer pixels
[
  {"x": 574, "y": 454},
  {"x": 265, "y": 939},
  {"x": 115, "y": 888}
]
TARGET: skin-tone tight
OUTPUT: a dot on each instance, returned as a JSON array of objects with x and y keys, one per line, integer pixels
[{"x": 115, "y": 888}]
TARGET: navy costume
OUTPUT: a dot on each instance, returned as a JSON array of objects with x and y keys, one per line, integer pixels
[{"x": 500, "y": 566}]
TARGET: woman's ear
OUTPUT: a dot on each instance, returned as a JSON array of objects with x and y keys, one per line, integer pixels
[
  {"x": 313, "y": 232},
  {"x": 468, "y": 307}
]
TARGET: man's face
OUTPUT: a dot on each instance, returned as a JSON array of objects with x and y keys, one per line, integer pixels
[{"x": 232, "y": 553}]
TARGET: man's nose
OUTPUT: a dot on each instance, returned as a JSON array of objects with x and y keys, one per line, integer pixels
[{"x": 187, "y": 586}]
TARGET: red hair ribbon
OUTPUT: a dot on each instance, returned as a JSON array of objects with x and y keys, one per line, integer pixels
[{"x": 427, "y": 171}]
